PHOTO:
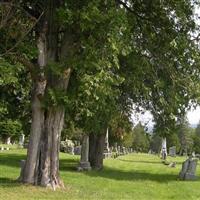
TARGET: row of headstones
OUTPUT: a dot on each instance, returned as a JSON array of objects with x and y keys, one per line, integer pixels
[
  {"x": 68, "y": 146},
  {"x": 108, "y": 151},
  {"x": 21, "y": 142},
  {"x": 116, "y": 151},
  {"x": 4, "y": 148},
  {"x": 84, "y": 163},
  {"x": 188, "y": 171},
  {"x": 172, "y": 151}
]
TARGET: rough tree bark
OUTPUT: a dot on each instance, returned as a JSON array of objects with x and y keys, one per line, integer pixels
[
  {"x": 96, "y": 150},
  {"x": 50, "y": 141},
  {"x": 42, "y": 164},
  {"x": 29, "y": 171}
]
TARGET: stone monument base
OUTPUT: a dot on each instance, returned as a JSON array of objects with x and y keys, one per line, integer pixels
[
  {"x": 107, "y": 155},
  {"x": 84, "y": 166},
  {"x": 189, "y": 176}
]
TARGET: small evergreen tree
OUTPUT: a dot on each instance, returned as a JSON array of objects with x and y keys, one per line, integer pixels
[
  {"x": 185, "y": 135},
  {"x": 140, "y": 138}
]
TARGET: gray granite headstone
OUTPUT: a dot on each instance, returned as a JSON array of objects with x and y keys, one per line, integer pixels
[
  {"x": 22, "y": 165},
  {"x": 188, "y": 169},
  {"x": 172, "y": 151},
  {"x": 84, "y": 163},
  {"x": 77, "y": 150},
  {"x": 107, "y": 152},
  {"x": 21, "y": 140},
  {"x": 106, "y": 147},
  {"x": 8, "y": 140}
]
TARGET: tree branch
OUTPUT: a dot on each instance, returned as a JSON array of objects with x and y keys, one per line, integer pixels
[
  {"x": 31, "y": 67},
  {"x": 22, "y": 38},
  {"x": 128, "y": 8}
]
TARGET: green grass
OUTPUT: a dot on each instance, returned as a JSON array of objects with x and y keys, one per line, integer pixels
[
  {"x": 135, "y": 176},
  {"x": 10, "y": 146}
]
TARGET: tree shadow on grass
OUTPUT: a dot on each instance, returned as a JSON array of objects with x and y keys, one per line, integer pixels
[
  {"x": 140, "y": 161},
  {"x": 11, "y": 160},
  {"x": 69, "y": 164},
  {"x": 147, "y": 162},
  {"x": 134, "y": 175},
  {"x": 8, "y": 182}
]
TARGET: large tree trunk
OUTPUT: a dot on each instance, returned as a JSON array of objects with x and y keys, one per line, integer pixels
[
  {"x": 96, "y": 150},
  {"x": 42, "y": 163},
  {"x": 50, "y": 141},
  {"x": 50, "y": 146}
]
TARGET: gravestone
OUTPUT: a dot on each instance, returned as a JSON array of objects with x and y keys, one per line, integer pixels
[
  {"x": 123, "y": 150},
  {"x": 172, "y": 164},
  {"x": 8, "y": 140},
  {"x": 164, "y": 149},
  {"x": 84, "y": 164},
  {"x": 67, "y": 146},
  {"x": 107, "y": 153},
  {"x": 115, "y": 148},
  {"x": 77, "y": 150},
  {"x": 172, "y": 151},
  {"x": 1, "y": 148},
  {"x": 150, "y": 151},
  {"x": 119, "y": 150},
  {"x": 115, "y": 151},
  {"x": 22, "y": 164},
  {"x": 106, "y": 147},
  {"x": 131, "y": 150},
  {"x": 71, "y": 150},
  {"x": 21, "y": 140},
  {"x": 188, "y": 169}
]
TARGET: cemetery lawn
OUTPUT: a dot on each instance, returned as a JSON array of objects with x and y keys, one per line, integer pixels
[{"x": 134, "y": 176}]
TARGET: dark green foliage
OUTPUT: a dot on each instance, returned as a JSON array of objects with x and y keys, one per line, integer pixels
[
  {"x": 71, "y": 132},
  {"x": 162, "y": 61},
  {"x": 173, "y": 140},
  {"x": 197, "y": 130},
  {"x": 196, "y": 145},
  {"x": 155, "y": 143},
  {"x": 14, "y": 95},
  {"x": 140, "y": 139},
  {"x": 128, "y": 140},
  {"x": 185, "y": 135},
  {"x": 196, "y": 139},
  {"x": 10, "y": 128},
  {"x": 121, "y": 53}
]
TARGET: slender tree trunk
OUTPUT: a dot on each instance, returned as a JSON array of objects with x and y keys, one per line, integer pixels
[
  {"x": 29, "y": 171},
  {"x": 96, "y": 150}
]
